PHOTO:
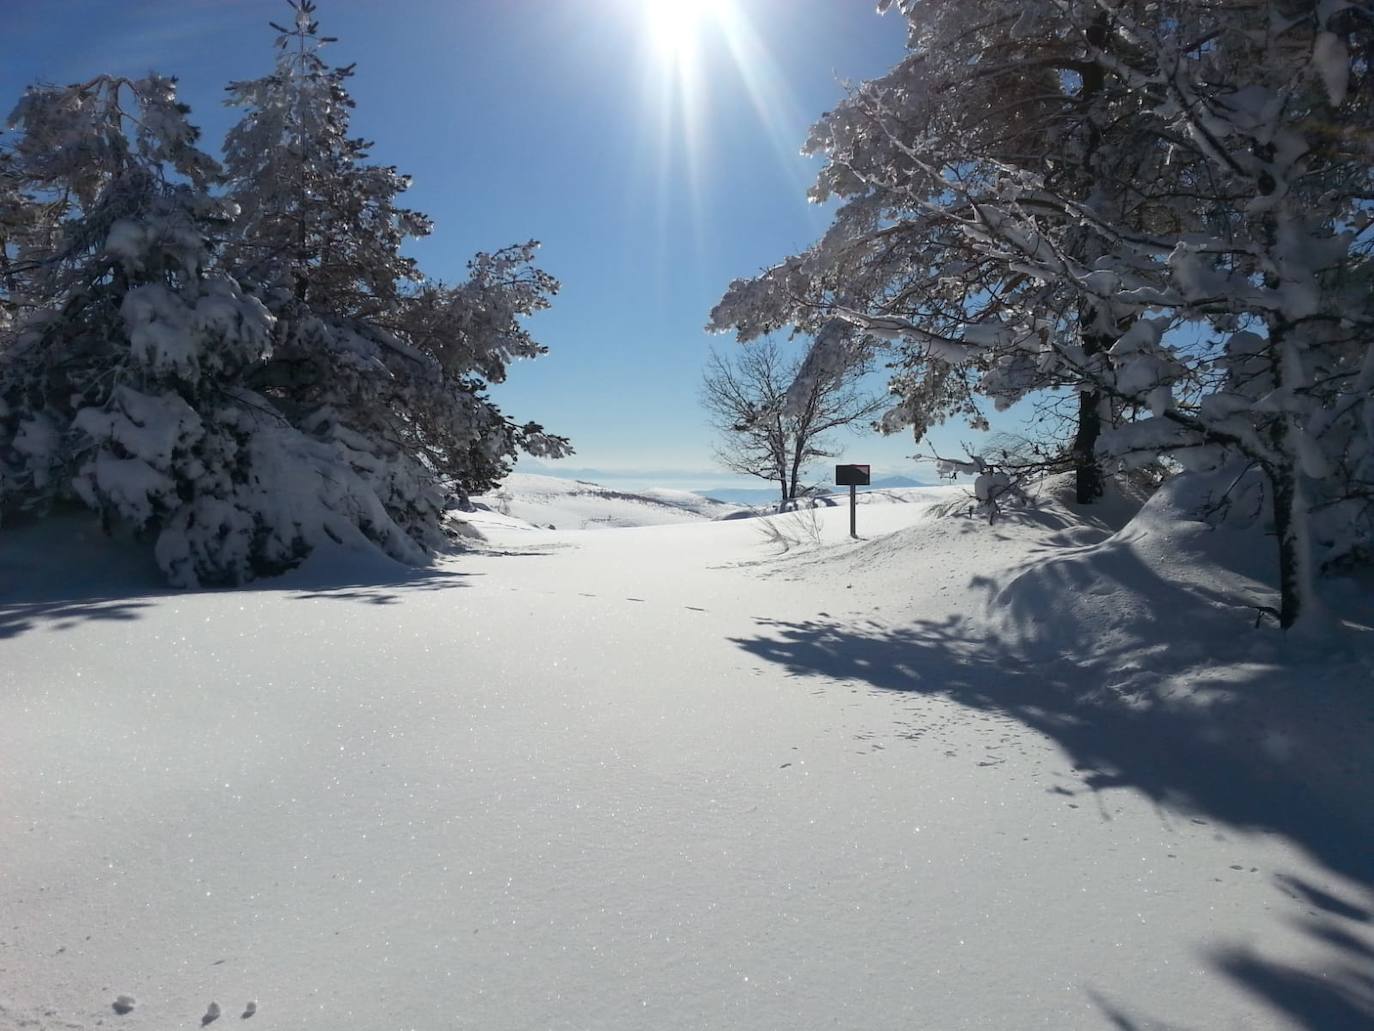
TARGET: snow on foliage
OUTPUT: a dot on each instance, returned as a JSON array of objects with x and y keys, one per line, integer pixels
[
  {"x": 1163, "y": 208},
  {"x": 241, "y": 378}
]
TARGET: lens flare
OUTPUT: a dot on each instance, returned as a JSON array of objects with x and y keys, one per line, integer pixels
[
  {"x": 704, "y": 66},
  {"x": 676, "y": 27}
]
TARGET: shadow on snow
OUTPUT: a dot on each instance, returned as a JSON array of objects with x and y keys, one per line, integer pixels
[
  {"x": 51, "y": 604},
  {"x": 1225, "y": 751}
]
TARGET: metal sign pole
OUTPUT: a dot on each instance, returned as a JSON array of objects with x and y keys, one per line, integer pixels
[{"x": 853, "y": 476}]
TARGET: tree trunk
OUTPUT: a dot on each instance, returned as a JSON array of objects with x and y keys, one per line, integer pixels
[
  {"x": 779, "y": 449},
  {"x": 1087, "y": 473},
  {"x": 1288, "y": 530},
  {"x": 1297, "y": 592},
  {"x": 6, "y": 272},
  {"x": 1088, "y": 478}
]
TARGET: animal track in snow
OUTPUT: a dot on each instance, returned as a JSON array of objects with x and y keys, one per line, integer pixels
[
  {"x": 211, "y": 1014},
  {"x": 123, "y": 1004}
]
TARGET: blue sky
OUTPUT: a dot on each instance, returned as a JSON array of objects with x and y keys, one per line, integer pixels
[{"x": 654, "y": 171}]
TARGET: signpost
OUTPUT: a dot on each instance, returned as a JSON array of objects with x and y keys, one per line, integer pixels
[{"x": 852, "y": 476}]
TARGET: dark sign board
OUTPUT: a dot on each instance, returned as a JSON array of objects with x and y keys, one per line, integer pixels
[{"x": 851, "y": 475}]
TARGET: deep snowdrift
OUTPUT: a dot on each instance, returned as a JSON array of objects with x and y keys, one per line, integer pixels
[{"x": 718, "y": 774}]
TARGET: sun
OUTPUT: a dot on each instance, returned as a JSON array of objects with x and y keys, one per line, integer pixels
[
  {"x": 698, "y": 60},
  {"x": 676, "y": 27}
]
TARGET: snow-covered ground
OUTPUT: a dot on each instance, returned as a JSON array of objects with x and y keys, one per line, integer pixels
[
  {"x": 719, "y": 774},
  {"x": 552, "y": 502}
]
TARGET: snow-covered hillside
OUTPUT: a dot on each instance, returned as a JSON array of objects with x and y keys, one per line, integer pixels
[
  {"x": 549, "y": 501},
  {"x": 734, "y": 774}
]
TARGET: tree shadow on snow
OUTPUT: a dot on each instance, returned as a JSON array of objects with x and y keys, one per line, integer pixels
[
  {"x": 22, "y": 614},
  {"x": 374, "y": 579},
  {"x": 1337, "y": 996},
  {"x": 1254, "y": 749},
  {"x": 1123, "y": 1021},
  {"x": 54, "y": 603}
]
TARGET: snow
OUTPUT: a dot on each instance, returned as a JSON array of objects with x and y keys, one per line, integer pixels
[
  {"x": 546, "y": 501},
  {"x": 1332, "y": 59},
  {"x": 666, "y": 776},
  {"x": 127, "y": 240}
]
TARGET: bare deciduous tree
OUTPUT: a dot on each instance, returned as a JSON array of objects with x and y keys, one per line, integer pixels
[{"x": 773, "y": 416}]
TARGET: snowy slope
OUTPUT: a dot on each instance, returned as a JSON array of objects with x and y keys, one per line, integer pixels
[
  {"x": 577, "y": 504},
  {"x": 744, "y": 774}
]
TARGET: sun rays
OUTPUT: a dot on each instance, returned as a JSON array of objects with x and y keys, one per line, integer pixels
[{"x": 703, "y": 63}]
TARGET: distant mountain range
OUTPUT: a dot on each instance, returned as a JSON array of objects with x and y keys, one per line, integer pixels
[{"x": 754, "y": 496}]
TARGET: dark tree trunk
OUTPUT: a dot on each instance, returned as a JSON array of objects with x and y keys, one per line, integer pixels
[
  {"x": 1088, "y": 478},
  {"x": 1290, "y": 528},
  {"x": 1087, "y": 471},
  {"x": 1284, "y": 485},
  {"x": 6, "y": 272},
  {"x": 779, "y": 449}
]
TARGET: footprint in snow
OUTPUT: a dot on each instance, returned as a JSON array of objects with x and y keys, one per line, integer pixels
[
  {"x": 211, "y": 1014},
  {"x": 249, "y": 1010},
  {"x": 122, "y": 1005}
]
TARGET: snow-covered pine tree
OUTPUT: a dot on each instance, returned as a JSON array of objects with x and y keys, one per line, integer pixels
[
  {"x": 241, "y": 408},
  {"x": 124, "y": 375},
  {"x": 316, "y": 222},
  {"x": 368, "y": 356},
  {"x": 89, "y": 199},
  {"x": 473, "y": 331}
]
